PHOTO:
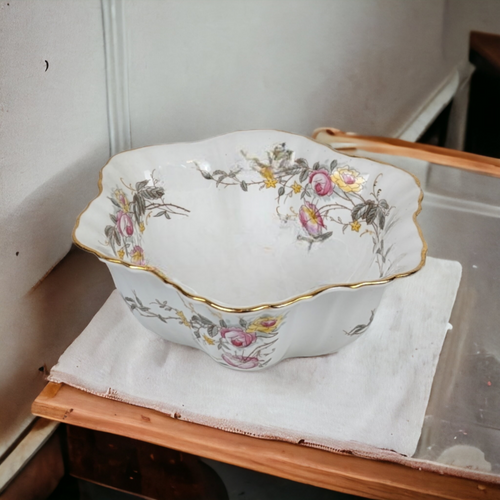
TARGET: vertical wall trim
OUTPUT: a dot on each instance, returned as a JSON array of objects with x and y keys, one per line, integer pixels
[
  {"x": 115, "y": 49},
  {"x": 430, "y": 109}
]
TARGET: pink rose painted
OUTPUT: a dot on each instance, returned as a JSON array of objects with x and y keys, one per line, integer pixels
[
  {"x": 124, "y": 224},
  {"x": 240, "y": 361},
  {"x": 311, "y": 219},
  {"x": 237, "y": 336},
  {"x": 321, "y": 182}
]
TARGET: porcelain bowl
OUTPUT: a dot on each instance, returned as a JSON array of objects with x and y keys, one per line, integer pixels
[{"x": 254, "y": 246}]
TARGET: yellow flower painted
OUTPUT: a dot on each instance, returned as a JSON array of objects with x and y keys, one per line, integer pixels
[
  {"x": 265, "y": 324},
  {"x": 137, "y": 255},
  {"x": 269, "y": 180},
  {"x": 355, "y": 226},
  {"x": 267, "y": 172},
  {"x": 208, "y": 340},
  {"x": 184, "y": 320},
  {"x": 141, "y": 227},
  {"x": 297, "y": 188},
  {"x": 122, "y": 200},
  {"x": 348, "y": 179},
  {"x": 121, "y": 253}
]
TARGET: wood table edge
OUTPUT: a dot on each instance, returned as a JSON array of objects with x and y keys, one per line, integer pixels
[
  {"x": 345, "y": 473},
  {"x": 397, "y": 147}
]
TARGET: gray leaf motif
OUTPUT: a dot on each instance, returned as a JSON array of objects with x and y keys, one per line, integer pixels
[
  {"x": 137, "y": 215},
  {"x": 141, "y": 204},
  {"x": 324, "y": 236},
  {"x": 358, "y": 211},
  {"x": 381, "y": 219},
  {"x": 212, "y": 331},
  {"x": 303, "y": 174},
  {"x": 153, "y": 193},
  {"x": 108, "y": 231},
  {"x": 117, "y": 237},
  {"x": 371, "y": 214},
  {"x": 359, "y": 329},
  {"x": 306, "y": 191},
  {"x": 137, "y": 207},
  {"x": 220, "y": 179},
  {"x": 204, "y": 320},
  {"x": 162, "y": 213},
  {"x": 115, "y": 203},
  {"x": 303, "y": 163}
]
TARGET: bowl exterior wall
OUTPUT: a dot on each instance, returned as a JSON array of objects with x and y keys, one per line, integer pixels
[{"x": 249, "y": 341}]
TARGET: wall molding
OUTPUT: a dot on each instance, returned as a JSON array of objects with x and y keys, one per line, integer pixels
[
  {"x": 430, "y": 109},
  {"x": 116, "y": 53},
  {"x": 457, "y": 124},
  {"x": 17, "y": 459}
]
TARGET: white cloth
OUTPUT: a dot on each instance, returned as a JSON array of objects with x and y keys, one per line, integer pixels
[{"x": 371, "y": 395}]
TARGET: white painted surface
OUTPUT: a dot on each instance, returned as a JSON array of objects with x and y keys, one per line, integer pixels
[{"x": 53, "y": 140}]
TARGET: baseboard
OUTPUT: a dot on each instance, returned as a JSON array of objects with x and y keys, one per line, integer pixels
[{"x": 17, "y": 459}]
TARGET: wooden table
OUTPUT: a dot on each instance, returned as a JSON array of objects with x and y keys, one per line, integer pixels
[
  {"x": 349, "y": 474},
  {"x": 344, "y": 473}
]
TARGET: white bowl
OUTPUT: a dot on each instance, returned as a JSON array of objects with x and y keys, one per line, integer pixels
[{"x": 254, "y": 246}]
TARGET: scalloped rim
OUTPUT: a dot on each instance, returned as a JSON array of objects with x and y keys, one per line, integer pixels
[{"x": 261, "y": 307}]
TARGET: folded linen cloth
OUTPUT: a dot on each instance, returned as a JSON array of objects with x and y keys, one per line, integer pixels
[{"x": 371, "y": 395}]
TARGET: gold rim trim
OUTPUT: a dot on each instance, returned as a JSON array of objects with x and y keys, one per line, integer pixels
[{"x": 277, "y": 305}]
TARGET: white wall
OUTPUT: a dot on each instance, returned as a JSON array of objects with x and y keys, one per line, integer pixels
[
  {"x": 463, "y": 16},
  {"x": 53, "y": 128},
  {"x": 53, "y": 141},
  {"x": 199, "y": 68},
  {"x": 181, "y": 70}
]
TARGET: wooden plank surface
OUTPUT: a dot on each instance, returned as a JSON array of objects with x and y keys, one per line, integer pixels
[{"x": 348, "y": 474}]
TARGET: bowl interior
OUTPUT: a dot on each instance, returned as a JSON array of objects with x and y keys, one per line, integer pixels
[{"x": 257, "y": 217}]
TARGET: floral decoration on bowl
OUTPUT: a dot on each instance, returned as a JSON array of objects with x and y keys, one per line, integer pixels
[{"x": 236, "y": 244}]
